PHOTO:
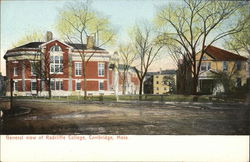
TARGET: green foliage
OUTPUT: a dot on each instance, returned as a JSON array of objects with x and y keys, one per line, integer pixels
[
  {"x": 77, "y": 20},
  {"x": 35, "y": 36}
]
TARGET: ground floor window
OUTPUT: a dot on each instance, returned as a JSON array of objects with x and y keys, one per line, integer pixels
[
  {"x": 15, "y": 86},
  {"x": 78, "y": 85},
  {"x": 33, "y": 85},
  {"x": 56, "y": 85},
  {"x": 101, "y": 85},
  {"x": 238, "y": 82}
]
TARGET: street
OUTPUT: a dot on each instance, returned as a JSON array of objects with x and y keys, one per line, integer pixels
[{"x": 128, "y": 119}]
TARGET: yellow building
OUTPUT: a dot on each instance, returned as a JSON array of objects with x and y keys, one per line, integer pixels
[
  {"x": 216, "y": 62},
  {"x": 164, "y": 82}
]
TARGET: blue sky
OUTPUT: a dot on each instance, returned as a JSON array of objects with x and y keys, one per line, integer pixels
[{"x": 21, "y": 17}]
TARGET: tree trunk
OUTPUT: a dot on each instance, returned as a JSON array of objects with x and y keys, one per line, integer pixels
[
  {"x": 11, "y": 93},
  {"x": 195, "y": 84},
  {"x": 85, "y": 80},
  {"x": 49, "y": 88},
  {"x": 140, "y": 90}
]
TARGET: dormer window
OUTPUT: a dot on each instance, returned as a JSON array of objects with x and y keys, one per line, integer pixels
[{"x": 55, "y": 48}]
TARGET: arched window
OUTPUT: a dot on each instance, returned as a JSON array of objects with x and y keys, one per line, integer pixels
[
  {"x": 55, "y": 48},
  {"x": 56, "y": 63}
]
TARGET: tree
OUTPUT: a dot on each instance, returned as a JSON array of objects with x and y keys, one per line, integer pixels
[
  {"x": 77, "y": 22},
  {"x": 146, "y": 49},
  {"x": 196, "y": 24},
  {"x": 127, "y": 58},
  {"x": 240, "y": 42},
  {"x": 35, "y": 36}
]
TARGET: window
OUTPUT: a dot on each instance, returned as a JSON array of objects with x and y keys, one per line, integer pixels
[
  {"x": 101, "y": 69},
  {"x": 157, "y": 82},
  {"x": 56, "y": 48},
  {"x": 56, "y": 85},
  {"x": 15, "y": 86},
  {"x": 33, "y": 85},
  {"x": 33, "y": 68},
  {"x": 157, "y": 89},
  {"x": 238, "y": 65},
  {"x": 205, "y": 66},
  {"x": 56, "y": 64},
  {"x": 15, "y": 71},
  {"x": 165, "y": 89},
  {"x": 224, "y": 65},
  {"x": 101, "y": 85},
  {"x": 156, "y": 76},
  {"x": 52, "y": 85},
  {"x": 238, "y": 82},
  {"x": 78, "y": 68},
  {"x": 78, "y": 85}
]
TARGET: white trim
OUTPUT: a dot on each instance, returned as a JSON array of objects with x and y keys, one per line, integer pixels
[
  {"x": 80, "y": 68},
  {"x": 15, "y": 73},
  {"x": 53, "y": 41},
  {"x": 101, "y": 81},
  {"x": 78, "y": 81},
  {"x": 101, "y": 63}
]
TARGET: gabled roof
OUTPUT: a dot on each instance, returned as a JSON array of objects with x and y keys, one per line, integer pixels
[{"x": 223, "y": 55}]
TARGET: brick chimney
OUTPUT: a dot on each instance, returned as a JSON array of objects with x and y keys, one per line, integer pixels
[
  {"x": 90, "y": 42},
  {"x": 49, "y": 36}
]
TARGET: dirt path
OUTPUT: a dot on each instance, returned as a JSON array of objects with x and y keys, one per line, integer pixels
[{"x": 62, "y": 118}]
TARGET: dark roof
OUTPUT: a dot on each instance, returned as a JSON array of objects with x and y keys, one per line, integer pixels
[
  {"x": 37, "y": 44},
  {"x": 30, "y": 45},
  {"x": 223, "y": 55},
  {"x": 82, "y": 46},
  {"x": 162, "y": 72}
]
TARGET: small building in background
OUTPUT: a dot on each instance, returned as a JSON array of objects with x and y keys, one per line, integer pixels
[{"x": 161, "y": 82}]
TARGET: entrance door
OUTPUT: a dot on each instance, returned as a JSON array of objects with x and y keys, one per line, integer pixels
[{"x": 207, "y": 86}]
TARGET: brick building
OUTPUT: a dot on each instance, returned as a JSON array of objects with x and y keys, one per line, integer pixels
[{"x": 65, "y": 69}]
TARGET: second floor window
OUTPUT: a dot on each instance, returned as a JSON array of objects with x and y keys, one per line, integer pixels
[
  {"x": 238, "y": 65},
  {"x": 101, "y": 69},
  {"x": 205, "y": 66},
  {"x": 224, "y": 66},
  {"x": 33, "y": 68},
  {"x": 15, "y": 71},
  {"x": 56, "y": 64},
  {"x": 78, "y": 69}
]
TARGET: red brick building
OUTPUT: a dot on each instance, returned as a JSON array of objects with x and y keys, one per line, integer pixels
[{"x": 65, "y": 69}]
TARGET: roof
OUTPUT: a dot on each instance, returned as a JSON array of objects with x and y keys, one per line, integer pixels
[
  {"x": 163, "y": 72},
  {"x": 30, "y": 45},
  {"x": 37, "y": 44},
  {"x": 223, "y": 55}
]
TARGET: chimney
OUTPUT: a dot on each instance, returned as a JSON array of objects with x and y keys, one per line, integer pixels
[
  {"x": 49, "y": 36},
  {"x": 90, "y": 42}
]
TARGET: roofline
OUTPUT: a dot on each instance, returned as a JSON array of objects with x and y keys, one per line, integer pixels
[{"x": 53, "y": 41}]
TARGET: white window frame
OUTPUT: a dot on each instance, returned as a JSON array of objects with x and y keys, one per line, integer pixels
[
  {"x": 99, "y": 83},
  {"x": 206, "y": 65},
  {"x": 53, "y": 63},
  {"x": 53, "y": 85},
  {"x": 33, "y": 81},
  {"x": 15, "y": 73},
  {"x": 78, "y": 69},
  {"x": 32, "y": 68},
  {"x": 78, "y": 81},
  {"x": 101, "y": 69},
  {"x": 15, "y": 85}
]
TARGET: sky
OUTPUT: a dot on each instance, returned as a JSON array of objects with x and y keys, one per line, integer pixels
[{"x": 21, "y": 17}]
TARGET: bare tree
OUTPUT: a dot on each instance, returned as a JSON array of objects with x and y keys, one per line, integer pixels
[
  {"x": 77, "y": 22},
  {"x": 127, "y": 58},
  {"x": 197, "y": 24},
  {"x": 146, "y": 49}
]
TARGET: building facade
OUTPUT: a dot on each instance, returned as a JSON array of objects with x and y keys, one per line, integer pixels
[
  {"x": 162, "y": 82},
  {"x": 30, "y": 65},
  {"x": 218, "y": 63}
]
